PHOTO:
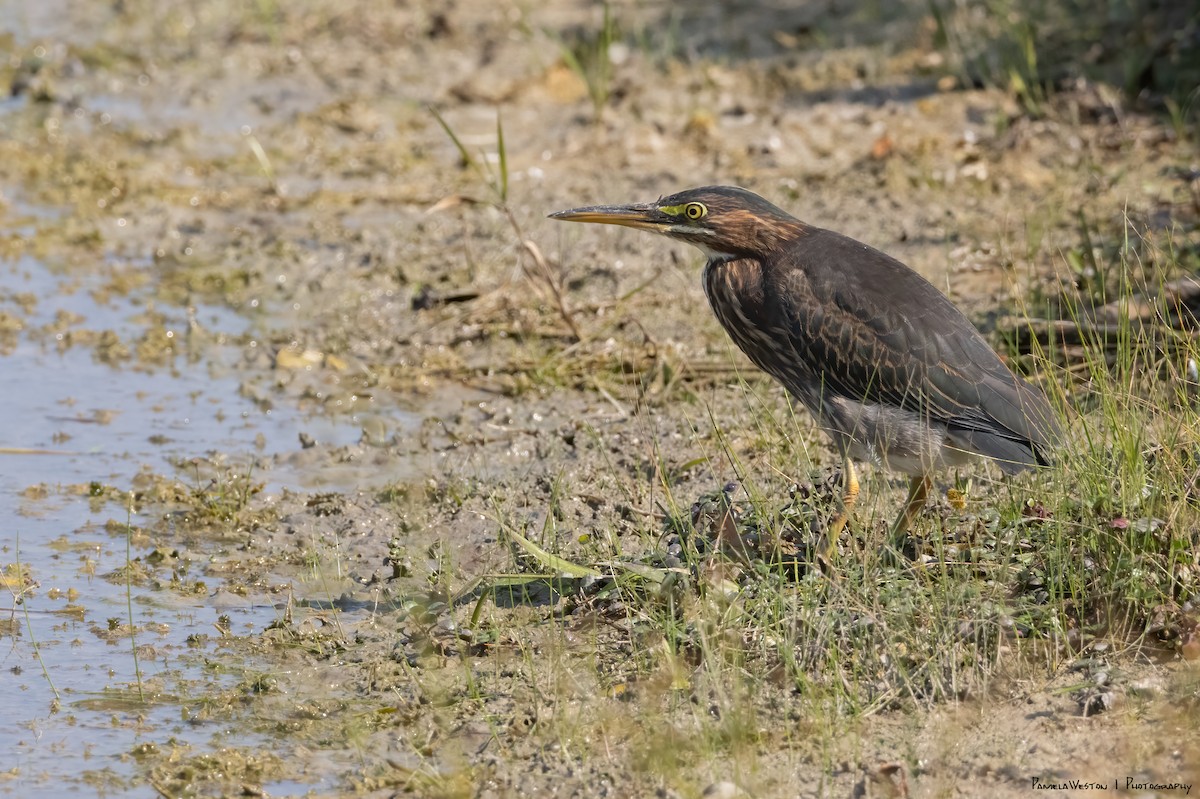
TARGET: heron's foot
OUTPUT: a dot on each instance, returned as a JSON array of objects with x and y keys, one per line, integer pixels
[
  {"x": 826, "y": 548},
  {"x": 896, "y": 551}
]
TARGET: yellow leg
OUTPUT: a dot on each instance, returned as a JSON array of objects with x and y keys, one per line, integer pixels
[
  {"x": 918, "y": 492},
  {"x": 849, "y": 496}
]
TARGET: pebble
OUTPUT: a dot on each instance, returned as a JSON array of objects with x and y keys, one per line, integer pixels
[{"x": 723, "y": 790}]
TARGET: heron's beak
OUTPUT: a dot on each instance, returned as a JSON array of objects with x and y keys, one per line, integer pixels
[{"x": 644, "y": 216}]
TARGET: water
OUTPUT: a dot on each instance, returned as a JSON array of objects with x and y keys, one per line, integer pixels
[
  {"x": 69, "y": 702},
  {"x": 76, "y": 703}
]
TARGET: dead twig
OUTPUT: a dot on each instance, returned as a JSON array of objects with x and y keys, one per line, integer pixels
[{"x": 554, "y": 285}]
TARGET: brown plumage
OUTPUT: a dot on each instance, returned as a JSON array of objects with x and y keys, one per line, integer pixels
[{"x": 889, "y": 367}]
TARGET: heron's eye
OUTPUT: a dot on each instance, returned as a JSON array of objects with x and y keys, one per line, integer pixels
[{"x": 695, "y": 211}]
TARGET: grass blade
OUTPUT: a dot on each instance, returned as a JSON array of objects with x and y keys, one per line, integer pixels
[
  {"x": 503, "y": 159},
  {"x": 553, "y": 563},
  {"x": 463, "y": 153}
]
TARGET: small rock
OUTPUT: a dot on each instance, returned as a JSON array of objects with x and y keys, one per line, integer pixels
[
  {"x": 1098, "y": 702},
  {"x": 1147, "y": 687},
  {"x": 885, "y": 780}
]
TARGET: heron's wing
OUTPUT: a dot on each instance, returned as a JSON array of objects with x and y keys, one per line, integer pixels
[{"x": 873, "y": 330}]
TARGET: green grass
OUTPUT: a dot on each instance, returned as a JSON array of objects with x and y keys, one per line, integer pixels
[
  {"x": 626, "y": 639},
  {"x": 18, "y": 581},
  {"x": 637, "y": 633},
  {"x": 589, "y": 56},
  {"x": 1031, "y": 48},
  {"x": 546, "y": 279},
  {"x": 1027, "y": 575}
]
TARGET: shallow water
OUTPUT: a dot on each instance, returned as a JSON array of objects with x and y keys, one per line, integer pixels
[{"x": 70, "y": 698}]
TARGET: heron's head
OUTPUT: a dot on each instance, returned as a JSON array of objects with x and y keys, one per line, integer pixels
[{"x": 723, "y": 221}]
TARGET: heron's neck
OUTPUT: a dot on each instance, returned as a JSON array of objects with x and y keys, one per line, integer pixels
[{"x": 715, "y": 257}]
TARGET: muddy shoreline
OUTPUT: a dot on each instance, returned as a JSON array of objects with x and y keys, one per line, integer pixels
[{"x": 317, "y": 363}]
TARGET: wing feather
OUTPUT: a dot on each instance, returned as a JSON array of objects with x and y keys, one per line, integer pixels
[{"x": 873, "y": 330}]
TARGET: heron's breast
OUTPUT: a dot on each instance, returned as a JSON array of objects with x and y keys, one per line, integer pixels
[{"x": 742, "y": 304}]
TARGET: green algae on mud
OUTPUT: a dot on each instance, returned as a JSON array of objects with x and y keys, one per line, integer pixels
[{"x": 357, "y": 603}]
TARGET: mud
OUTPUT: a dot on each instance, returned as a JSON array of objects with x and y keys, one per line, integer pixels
[{"x": 313, "y": 352}]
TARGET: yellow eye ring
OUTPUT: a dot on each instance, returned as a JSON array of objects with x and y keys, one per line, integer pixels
[{"x": 695, "y": 211}]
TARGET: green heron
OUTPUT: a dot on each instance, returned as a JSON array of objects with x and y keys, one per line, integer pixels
[{"x": 886, "y": 364}]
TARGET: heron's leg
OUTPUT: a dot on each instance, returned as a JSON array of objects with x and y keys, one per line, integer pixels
[
  {"x": 918, "y": 492},
  {"x": 849, "y": 496}
]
